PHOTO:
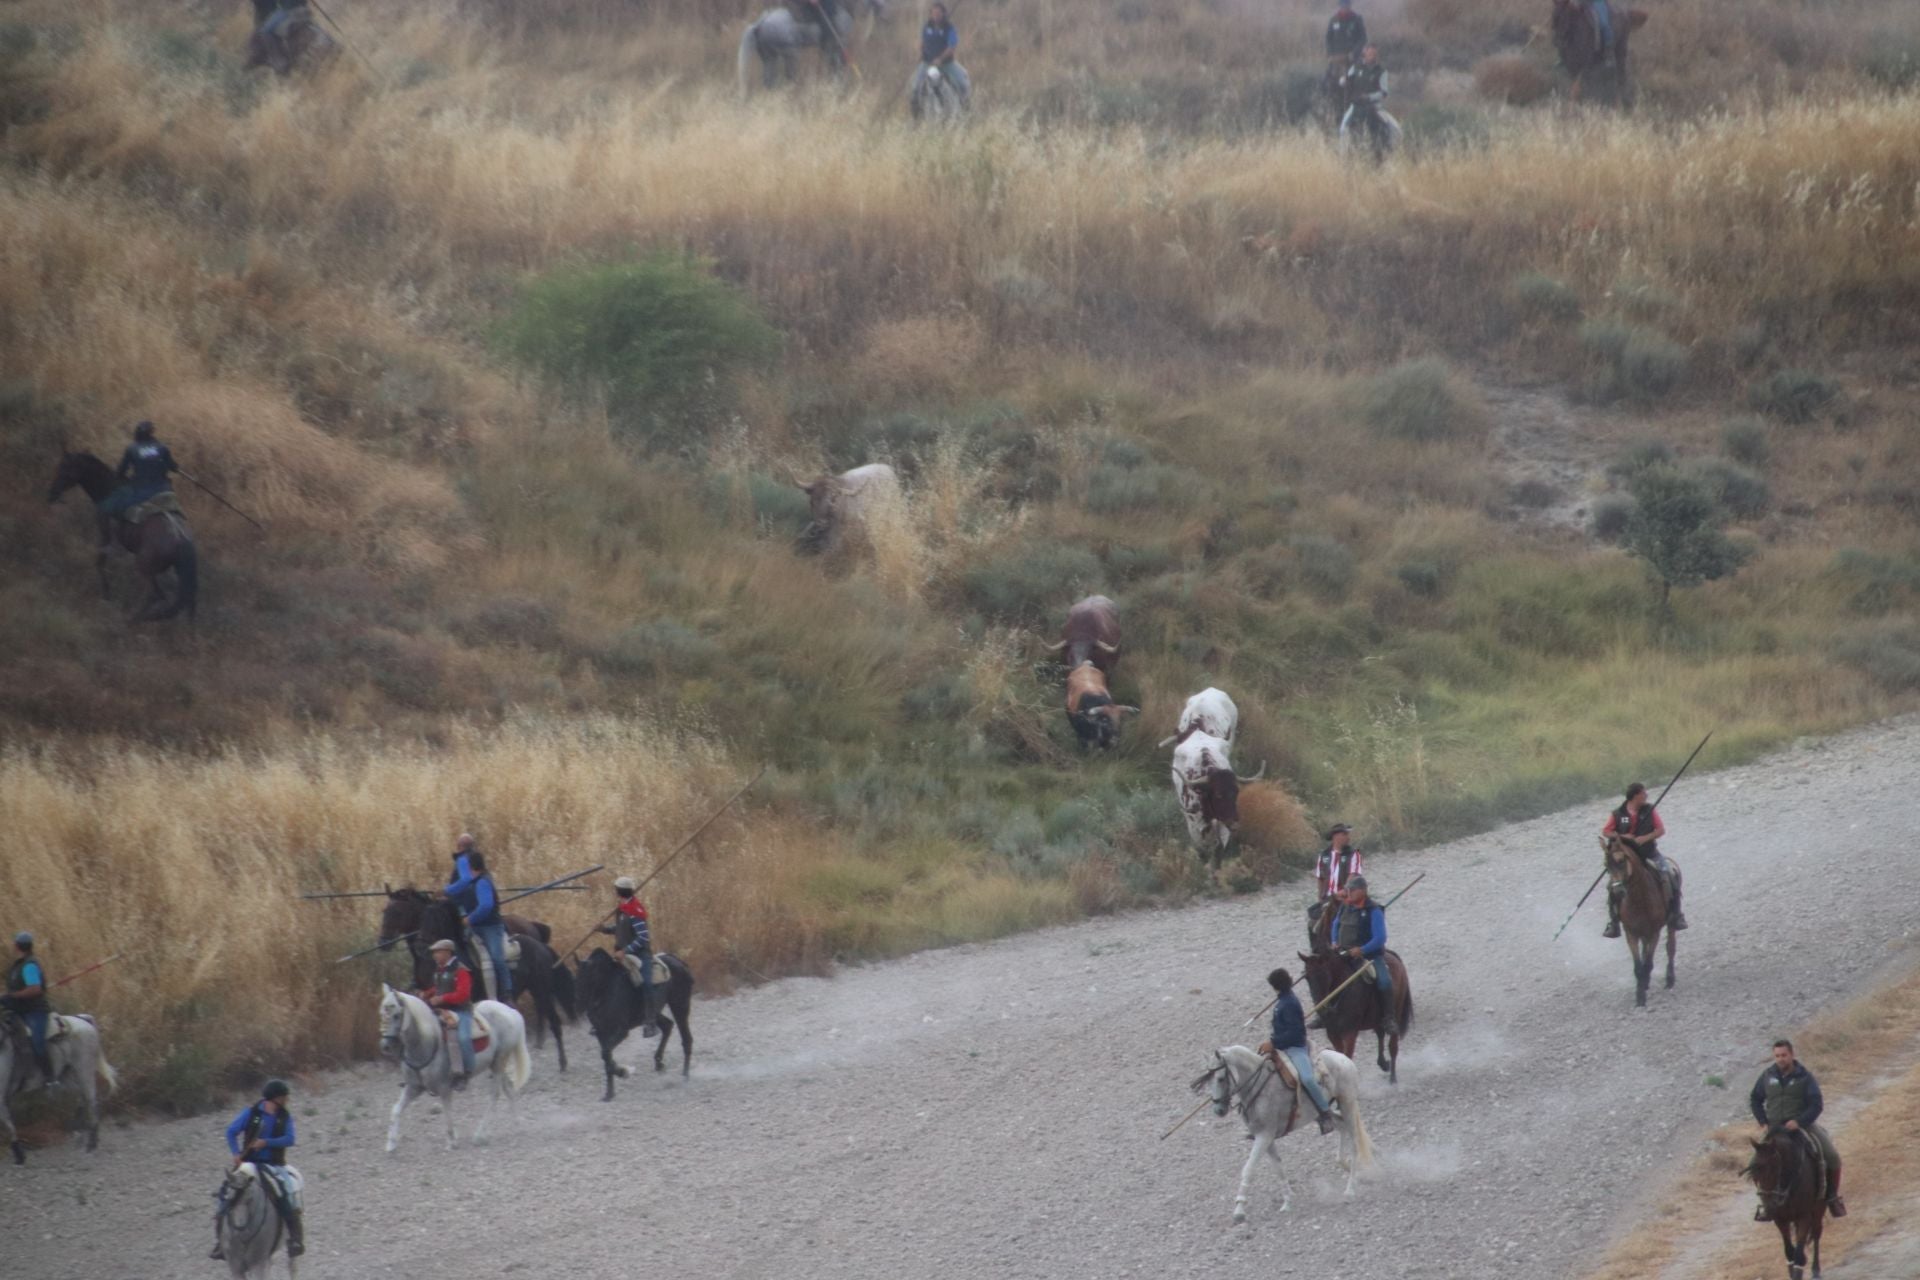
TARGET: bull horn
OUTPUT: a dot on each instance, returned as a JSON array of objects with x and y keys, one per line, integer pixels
[
  {"x": 1258, "y": 774},
  {"x": 1164, "y": 741},
  {"x": 1132, "y": 710},
  {"x": 1104, "y": 647},
  {"x": 1055, "y": 648}
]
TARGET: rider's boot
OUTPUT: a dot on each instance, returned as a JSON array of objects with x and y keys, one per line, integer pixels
[
  {"x": 1613, "y": 917},
  {"x": 1676, "y": 918},
  {"x": 296, "y": 1235},
  {"x": 1836, "y": 1207},
  {"x": 219, "y": 1253},
  {"x": 1326, "y": 1122}
]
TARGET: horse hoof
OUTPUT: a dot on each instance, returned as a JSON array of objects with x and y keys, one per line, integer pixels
[
  {"x": 621, "y": 1072},
  {"x": 19, "y": 1153},
  {"x": 1239, "y": 1217}
]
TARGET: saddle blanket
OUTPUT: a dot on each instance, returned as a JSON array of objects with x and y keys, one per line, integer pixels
[
  {"x": 160, "y": 504},
  {"x": 291, "y": 1183},
  {"x": 482, "y": 1030},
  {"x": 60, "y": 1025},
  {"x": 661, "y": 974}
]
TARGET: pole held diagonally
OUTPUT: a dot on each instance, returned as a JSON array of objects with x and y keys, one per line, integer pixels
[
  {"x": 1603, "y": 871},
  {"x": 384, "y": 893},
  {"x": 1343, "y": 986},
  {"x": 560, "y": 957},
  {"x": 81, "y": 973},
  {"x": 223, "y": 502},
  {"x": 412, "y": 933},
  {"x": 335, "y": 24}
]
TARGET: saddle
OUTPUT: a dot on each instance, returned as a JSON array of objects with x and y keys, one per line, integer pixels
[
  {"x": 284, "y": 1176},
  {"x": 482, "y": 1030},
  {"x": 1290, "y": 1079},
  {"x": 160, "y": 504},
  {"x": 631, "y": 963}
]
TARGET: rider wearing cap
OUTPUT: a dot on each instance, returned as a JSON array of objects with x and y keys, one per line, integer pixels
[
  {"x": 632, "y": 935},
  {"x": 452, "y": 991},
  {"x": 1290, "y": 1037},
  {"x": 145, "y": 471},
  {"x": 26, "y": 996},
  {"x": 262, "y": 1133},
  {"x": 1360, "y": 932}
]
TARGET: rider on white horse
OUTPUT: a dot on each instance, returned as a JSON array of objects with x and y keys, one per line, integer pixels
[
  {"x": 1289, "y": 1037},
  {"x": 940, "y": 47},
  {"x": 26, "y": 997},
  {"x": 453, "y": 991},
  {"x": 262, "y": 1133}
]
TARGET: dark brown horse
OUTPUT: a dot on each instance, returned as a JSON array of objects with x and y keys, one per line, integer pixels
[
  {"x": 424, "y": 919},
  {"x": 1357, "y": 1008},
  {"x": 159, "y": 542},
  {"x": 1643, "y": 913},
  {"x": 1786, "y": 1170},
  {"x": 1578, "y": 42}
]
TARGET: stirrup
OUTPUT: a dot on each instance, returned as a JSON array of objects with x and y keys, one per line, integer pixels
[
  {"x": 1677, "y": 922},
  {"x": 1326, "y": 1122}
]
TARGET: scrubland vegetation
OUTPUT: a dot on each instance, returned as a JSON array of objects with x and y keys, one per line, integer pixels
[{"x": 513, "y": 351}]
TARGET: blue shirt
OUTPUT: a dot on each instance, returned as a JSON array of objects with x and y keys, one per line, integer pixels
[
  {"x": 1289, "y": 1023},
  {"x": 936, "y": 40},
  {"x": 1373, "y": 924},
  {"x": 147, "y": 464},
  {"x": 276, "y": 1128},
  {"x": 474, "y": 892}
]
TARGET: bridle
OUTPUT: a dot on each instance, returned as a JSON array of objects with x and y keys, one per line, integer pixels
[
  {"x": 1261, "y": 1077},
  {"x": 393, "y": 1038}
]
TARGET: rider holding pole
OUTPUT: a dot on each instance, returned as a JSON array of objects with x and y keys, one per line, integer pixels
[{"x": 940, "y": 48}]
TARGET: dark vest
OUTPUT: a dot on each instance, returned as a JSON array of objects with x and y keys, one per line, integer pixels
[
  {"x": 1365, "y": 80},
  {"x": 1356, "y": 927},
  {"x": 1785, "y": 1099},
  {"x": 16, "y": 982},
  {"x": 933, "y": 41},
  {"x": 443, "y": 980},
  {"x": 1639, "y": 827},
  {"x": 262, "y": 1125}
]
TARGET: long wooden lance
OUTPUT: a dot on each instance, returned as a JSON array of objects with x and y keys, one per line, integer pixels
[
  {"x": 81, "y": 973},
  {"x": 414, "y": 933},
  {"x": 1603, "y": 871},
  {"x": 1343, "y": 986},
  {"x": 560, "y": 958},
  {"x": 387, "y": 893}
]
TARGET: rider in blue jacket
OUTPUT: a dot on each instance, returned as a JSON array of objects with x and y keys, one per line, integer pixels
[
  {"x": 472, "y": 889},
  {"x": 1290, "y": 1037},
  {"x": 1360, "y": 932}
]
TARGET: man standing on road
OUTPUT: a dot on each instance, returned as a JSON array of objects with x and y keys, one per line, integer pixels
[{"x": 1787, "y": 1098}]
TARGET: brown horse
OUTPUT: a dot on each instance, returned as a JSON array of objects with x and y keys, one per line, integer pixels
[
  {"x": 1357, "y": 1008},
  {"x": 1578, "y": 42},
  {"x": 1786, "y": 1171},
  {"x": 1643, "y": 913},
  {"x": 159, "y": 542}
]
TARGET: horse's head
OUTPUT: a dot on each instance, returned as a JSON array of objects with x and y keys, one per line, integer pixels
[
  {"x": 1774, "y": 1167},
  {"x": 393, "y": 1020},
  {"x": 402, "y": 914},
  {"x": 1217, "y": 1081},
  {"x": 1318, "y": 969},
  {"x": 1619, "y": 861},
  {"x": 76, "y": 469}
]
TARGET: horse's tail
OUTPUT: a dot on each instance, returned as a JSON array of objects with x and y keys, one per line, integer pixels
[
  {"x": 1346, "y": 1091},
  {"x": 186, "y": 567},
  {"x": 749, "y": 49},
  {"x": 520, "y": 1066}
]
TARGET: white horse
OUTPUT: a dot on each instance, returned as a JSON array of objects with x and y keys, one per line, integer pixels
[
  {"x": 776, "y": 36},
  {"x": 1243, "y": 1078},
  {"x": 251, "y": 1230},
  {"x": 427, "y": 1051},
  {"x": 77, "y": 1060}
]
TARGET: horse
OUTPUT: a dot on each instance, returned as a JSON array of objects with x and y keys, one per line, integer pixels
[
  {"x": 77, "y": 1061},
  {"x": 1643, "y": 913},
  {"x": 424, "y": 919},
  {"x": 160, "y": 542},
  {"x": 1578, "y": 43},
  {"x": 300, "y": 37},
  {"x": 1793, "y": 1191},
  {"x": 777, "y": 35},
  {"x": 410, "y": 1031},
  {"x": 1241, "y": 1076},
  {"x": 613, "y": 1009},
  {"x": 1357, "y": 1008},
  {"x": 934, "y": 97},
  {"x": 251, "y": 1230}
]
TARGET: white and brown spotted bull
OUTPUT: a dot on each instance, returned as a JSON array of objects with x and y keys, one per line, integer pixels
[
  {"x": 841, "y": 502},
  {"x": 1208, "y": 711},
  {"x": 1092, "y": 634},
  {"x": 1091, "y": 710},
  {"x": 1209, "y": 792}
]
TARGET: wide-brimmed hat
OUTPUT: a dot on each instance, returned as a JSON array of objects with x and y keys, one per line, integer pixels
[
  {"x": 445, "y": 944},
  {"x": 626, "y": 883},
  {"x": 1339, "y": 828}
]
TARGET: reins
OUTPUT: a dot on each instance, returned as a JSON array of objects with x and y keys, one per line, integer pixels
[{"x": 439, "y": 1038}]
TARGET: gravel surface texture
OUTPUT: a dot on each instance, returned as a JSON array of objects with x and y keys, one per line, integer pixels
[{"x": 995, "y": 1110}]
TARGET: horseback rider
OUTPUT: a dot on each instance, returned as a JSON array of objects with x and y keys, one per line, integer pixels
[
  {"x": 1360, "y": 932},
  {"x": 262, "y": 1133},
  {"x": 453, "y": 991},
  {"x": 1338, "y": 863},
  {"x": 1601, "y": 13},
  {"x": 26, "y": 997},
  {"x": 145, "y": 471},
  {"x": 471, "y": 888},
  {"x": 940, "y": 47},
  {"x": 1346, "y": 36},
  {"x": 1639, "y": 827},
  {"x": 632, "y": 935},
  {"x": 824, "y": 14},
  {"x": 1364, "y": 87},
  {"x": 1787, "y": 1098},
  {"x": 1289, "y": 1036}
]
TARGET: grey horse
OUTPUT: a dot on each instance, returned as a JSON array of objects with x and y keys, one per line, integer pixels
[
  {"x": 77, "y": 1061},
  {"x": 251, "y": 1231},
  {"x": 409, "y": 1030},
  {"x": 776, "y": 36},
  {"x": 1240, "y": 1077}
]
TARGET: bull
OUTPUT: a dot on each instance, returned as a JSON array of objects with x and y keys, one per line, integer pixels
[
  {"x": 1209, "y": 791},
  {"x": 1091, "y": 709},
  {"x": 1092, "y": 634},
  {"x": 1209, "y": 711},
  {"x": 838, "y": 503}
]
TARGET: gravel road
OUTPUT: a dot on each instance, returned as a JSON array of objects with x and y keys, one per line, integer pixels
[{"x": 994, "y": 1110}]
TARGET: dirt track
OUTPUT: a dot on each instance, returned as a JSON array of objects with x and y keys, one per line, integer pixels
[{"x": 994, "y": 1110}]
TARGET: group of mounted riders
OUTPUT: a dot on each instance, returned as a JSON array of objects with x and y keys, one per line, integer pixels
[{"x": 1347, "y": 934}]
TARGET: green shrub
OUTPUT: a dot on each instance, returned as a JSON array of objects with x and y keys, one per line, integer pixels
[
  {"x": 661, "y": 647},
  {"x": 1890, "y": 654},
  {"x": 1419, "y": 400},
  {"x": 1745, "y": 441},
  {"x": 1421, "y": 577},
  {"x": 1325, "y": 565},
  {"x": 1112, "y": 488},
  {"x": 1638, "y": 457},
  {"x": 1637, "y": 362},
  {"x": 1545, "y": 297},
  {"x": 1893, "y": 62},
  {"x": 1644, "y": 299},
  {"x": 660, "y": 338},
  {"x": 1676, "y": 528},
  {"x": 1793, "y": 395},
  {"x": 1031, "y": 581},
  {"x": 779, "y": 507},
  {"x": 1608, "y": 521},
  {"x": 1881, "y": 582},
  {"x": 1733, "y": 486}
]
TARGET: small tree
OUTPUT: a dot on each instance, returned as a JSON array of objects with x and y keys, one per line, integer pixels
[{"x": 1676, "y": 527}]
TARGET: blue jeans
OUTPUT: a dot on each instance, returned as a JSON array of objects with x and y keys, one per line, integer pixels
[
  {"x": 1603, "y": 23},
  {"x": 1303, "y": 1065},
  {"x": 37, "y": 1031},
  {"x": 465, "y": 1017},
  {"x": 1383, "y": 978},
  {"x": 644, "y": 954},
  {"x": 494, "y": 938}
]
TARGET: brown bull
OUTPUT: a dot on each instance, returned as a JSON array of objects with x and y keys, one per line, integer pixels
[
  {"x": 1090, "y": 707},
  {"x": 1092, "y": 634}
]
